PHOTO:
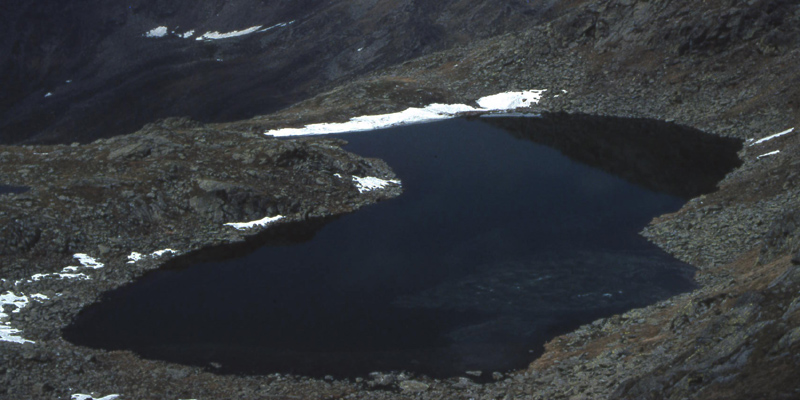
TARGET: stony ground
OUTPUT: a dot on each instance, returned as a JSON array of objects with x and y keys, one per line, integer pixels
[{"x": 728, "y": 68}]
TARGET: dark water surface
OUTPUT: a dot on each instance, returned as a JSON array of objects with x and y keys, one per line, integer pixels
[
  {"x": 13, "y": 189},
  {"x": 498, "y": 244}
]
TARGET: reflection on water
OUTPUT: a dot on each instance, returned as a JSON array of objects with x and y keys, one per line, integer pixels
[
  {"x": 660, "y": 156},
  {"x": 13, "y": 189},
  {"x": 497, "y": 244}
]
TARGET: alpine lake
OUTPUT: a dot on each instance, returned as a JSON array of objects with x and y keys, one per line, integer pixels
[{"x": 510, "y": 231}]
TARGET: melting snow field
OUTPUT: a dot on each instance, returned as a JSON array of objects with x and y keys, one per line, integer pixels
[{"x": 499, "y": 102}]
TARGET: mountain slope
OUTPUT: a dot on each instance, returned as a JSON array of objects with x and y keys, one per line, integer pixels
[{"x": 86, "y": 70}]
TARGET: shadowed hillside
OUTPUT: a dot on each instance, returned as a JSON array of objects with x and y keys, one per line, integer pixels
[{"x": 119, "y": 79}]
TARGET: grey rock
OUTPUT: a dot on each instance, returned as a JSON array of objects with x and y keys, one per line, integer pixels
[{"x": 413, "y": 386}]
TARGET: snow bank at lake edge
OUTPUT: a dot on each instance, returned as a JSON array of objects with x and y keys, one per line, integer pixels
[{"x": 507, "y": 101}]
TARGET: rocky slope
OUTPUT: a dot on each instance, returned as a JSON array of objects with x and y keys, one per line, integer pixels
[{"x": 728, "y": 68}]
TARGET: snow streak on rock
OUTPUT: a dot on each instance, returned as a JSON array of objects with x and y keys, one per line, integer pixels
[
  {"x": 500, "y": 102},
  {"x": 281, "y": 25},
  {"x": 217, "y": 36},
  {"x": 771, "y": 153},
  {"x": 252, "y": 224},
  {"x": 162, "y": 31},
  {"x": 768, "y": 138}
]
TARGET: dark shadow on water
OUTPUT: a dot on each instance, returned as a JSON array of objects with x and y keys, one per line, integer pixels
[
  {"x": 13, "y": 189},
  {"x": 654, "y": 154},
  {"x": 278, "y": 235},
  {"x": 497, "y": 244}
]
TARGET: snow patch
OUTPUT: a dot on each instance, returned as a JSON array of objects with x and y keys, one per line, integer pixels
[
  {"x": 159, "y": 253},
  {"x": 79, "y": 396},
  {"x": 370, "y": 183},
  {"x": 134, "y": 257},
  {"x": 71, "y": 271},
  {"x": 217, "y": 36},
  {"x": 414, "y": 115},
  {"x": 187, "y": 34},
  {"x": 433, "y": 112},
  {"x": 88, "y": 262},
  {"x": 768, "y": 138},
  {"x": 159, "y": 32},
  {"x": 252, "y": 224},
  {"x": 510, "y": 100},
  {"x": 771, "y": 153},
  {"x": 48, "y": 94}
]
